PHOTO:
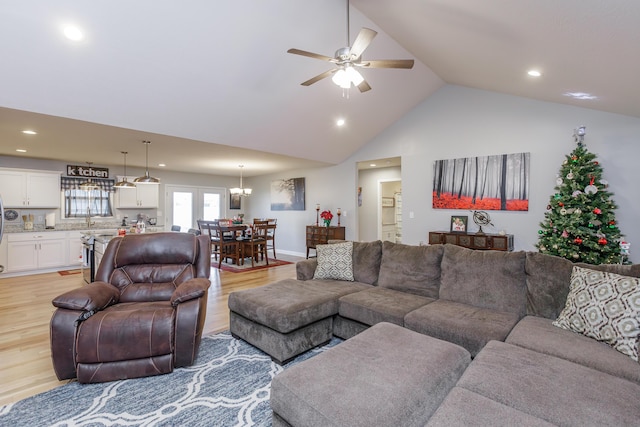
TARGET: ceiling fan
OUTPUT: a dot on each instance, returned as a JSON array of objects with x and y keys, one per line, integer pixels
[{"x": 347, "y": 59}]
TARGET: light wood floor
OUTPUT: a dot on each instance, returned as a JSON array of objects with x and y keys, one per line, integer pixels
[{"x": 25, "y": 311}]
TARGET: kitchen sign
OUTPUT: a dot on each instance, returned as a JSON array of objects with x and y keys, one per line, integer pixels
[{"x": 87, "y": 171}]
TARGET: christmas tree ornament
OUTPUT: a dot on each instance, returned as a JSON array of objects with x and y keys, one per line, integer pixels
[
  {"x": 570, "y": 175},
  {"x": 595, "y": 162},
  {"x": 578, "y": 240},
  {"x": 559, "y": 181},
  {"x": 560, "y": 204},
  {"x": 576, "y": 256},
  {"x": 577, "y": 211},
  {"x": 563, "y": 211},
  {"x": 602, "y": 241},
  {"x": 576, "y": 193},
  {"x": 591, "y": 189},
  {"x": 590, "y": 225},
  {"x": 612, "y": 222},
  {"x": 548, "y": 207},
  {"x": 597, "y": 211},
  {"x": 604, "y": 183},
  {"x": 565, "y": 234}
]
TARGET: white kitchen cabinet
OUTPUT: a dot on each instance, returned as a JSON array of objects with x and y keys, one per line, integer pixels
[
  {"x": 74, "y": 248},
  {"x": 30, "y": 189},
  {"x": 143, "y": 196},
  {"x": 35, "y": 251}
]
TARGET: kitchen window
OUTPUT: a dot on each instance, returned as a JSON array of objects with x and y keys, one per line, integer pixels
[{"x": 82, "y": 203}]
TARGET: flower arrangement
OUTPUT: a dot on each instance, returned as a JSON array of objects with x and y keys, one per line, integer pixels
[{"x": 326, "y": 216}]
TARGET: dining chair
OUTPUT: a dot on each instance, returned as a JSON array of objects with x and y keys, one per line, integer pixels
[
  {"x": 256, "y": 244},
  {"x": 207, "y": 228},
  {"x": 227, "y": 247},
  {"x": 270, "y": 236}
]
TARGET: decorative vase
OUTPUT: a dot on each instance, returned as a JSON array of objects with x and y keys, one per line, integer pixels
[{"x": 327, "y": 222}]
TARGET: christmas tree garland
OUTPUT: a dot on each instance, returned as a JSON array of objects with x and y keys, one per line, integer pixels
[{"x": 580, "y": 222}]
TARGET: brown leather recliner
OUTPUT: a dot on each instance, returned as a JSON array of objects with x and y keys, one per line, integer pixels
[{"x": 143, "y": 315}]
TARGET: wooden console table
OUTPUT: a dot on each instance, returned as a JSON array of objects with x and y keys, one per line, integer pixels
[
  {"x": 320, "y": 235},
  {"x": 496, "y": 242}
]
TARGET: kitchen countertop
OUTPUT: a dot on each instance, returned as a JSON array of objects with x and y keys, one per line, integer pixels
[{"x": 101, "y": 228}]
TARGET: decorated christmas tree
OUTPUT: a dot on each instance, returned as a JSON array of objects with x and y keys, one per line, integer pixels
[{"x": 580, "y": 222}]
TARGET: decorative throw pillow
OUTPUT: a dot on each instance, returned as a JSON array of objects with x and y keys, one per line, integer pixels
[
  {"x": 604, "y": 306},
  {"x": 335, "y": 261}
]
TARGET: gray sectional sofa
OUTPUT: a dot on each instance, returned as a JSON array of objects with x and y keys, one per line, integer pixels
[{"x": 498, "y": 306}]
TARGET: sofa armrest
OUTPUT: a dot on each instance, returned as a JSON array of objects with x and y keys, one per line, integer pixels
[
  {"x": 93, "y": 297},
  {"x": 191, "y": 289},
  {"x": 306, "y": 268}
]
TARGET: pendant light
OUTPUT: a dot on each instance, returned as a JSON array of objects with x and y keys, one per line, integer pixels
[
  {"x": 240, "y": 191},
  {"x": 89, "y": 185},
  {"x": 146, "y": 179},
  {"x": 124, "y": 183}
]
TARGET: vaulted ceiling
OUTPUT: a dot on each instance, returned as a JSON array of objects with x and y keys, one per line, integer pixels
[{"x": 211, "y": 84}]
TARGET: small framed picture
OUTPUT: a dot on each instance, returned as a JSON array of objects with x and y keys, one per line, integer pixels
[
  {"x": 459, "y": 224},
  {"x": 388, "y": 202},
  {"x": 234, "y": 202}
]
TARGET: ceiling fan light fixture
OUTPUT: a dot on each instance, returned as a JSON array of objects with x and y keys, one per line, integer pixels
[{"x": 146, "y": 179}]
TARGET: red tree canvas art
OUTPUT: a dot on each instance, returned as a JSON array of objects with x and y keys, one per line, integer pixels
[{"x": 499, "y": 182}]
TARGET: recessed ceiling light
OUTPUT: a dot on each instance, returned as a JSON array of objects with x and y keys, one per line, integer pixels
[
  {"x": 373, "y": 165},
  {"x": 340, "y": 122},
  {"x": 161, "y": 165},
  {"x": 534, "y": 73},
  {"x": 73, "y": 33},
  {"x": 21, "y": 150},
  {"x": 580, "y": 95},
  {"x": 30, "y": 132}
]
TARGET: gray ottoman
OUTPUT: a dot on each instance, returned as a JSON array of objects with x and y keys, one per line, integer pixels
[
  {"x": 289, "y": 317},
  {"x": 385, "y": 376}
]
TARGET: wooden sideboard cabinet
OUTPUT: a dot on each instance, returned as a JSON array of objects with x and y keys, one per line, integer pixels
[
  {"x": 319, "y": 235},
  {"x": 495, "y": 242}
]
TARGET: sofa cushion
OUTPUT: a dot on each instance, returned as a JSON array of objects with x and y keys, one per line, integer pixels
[
  {"x": 547, "y": 387},
  {"x": 488, "y": 279},
  {"x": 378, "y": 304},
  {"x": 537, "y": 333},
  {"x": 335, "y": 261},
  {"x": 366, "y": 261},
  {"x": 386, "y": 376},
  {"x": 291, "y": 304},
  {"x": 604, "y": 306},
  {"x": 466, "y": 408},
  {"x": 468, "y": 326},
  {"x": 548, "y": 280},
  {"x": 412, "y": 269}
]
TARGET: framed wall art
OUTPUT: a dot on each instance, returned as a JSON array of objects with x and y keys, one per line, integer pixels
[
  {"x": 287, "y": 194},
  {"x": 459, "y": 224},
  {"x": 499, "y": 182}
]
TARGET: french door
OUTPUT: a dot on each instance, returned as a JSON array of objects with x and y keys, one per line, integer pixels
[{"x": 186, "y": 205}]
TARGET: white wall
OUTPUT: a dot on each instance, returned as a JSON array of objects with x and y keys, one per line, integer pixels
[{"x": 462, "y": 122}]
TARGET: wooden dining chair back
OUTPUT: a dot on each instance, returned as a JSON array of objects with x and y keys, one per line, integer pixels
[
  {"x": 228, "y": 246},
  {"x": 270, "y": 237},
  {"x": 207, "y": 228},
  {"x": 256, "y": 244}
]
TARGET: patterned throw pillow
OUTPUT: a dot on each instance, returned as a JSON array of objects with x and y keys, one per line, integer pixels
[
  {"x": 335, "y": 261},
  {"x": 604, "y": 306}
]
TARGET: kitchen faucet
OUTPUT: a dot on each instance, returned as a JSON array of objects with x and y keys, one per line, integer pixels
[{"x": 89, "y": 223}]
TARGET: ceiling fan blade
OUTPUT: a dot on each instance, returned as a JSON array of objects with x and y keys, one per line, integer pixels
[
  {"x": 364, "y": 86},
  {"x": 362, "y": 41},
  {"x": 387, "y": 63},
  {"x": 311, "y": 55},
  {"x": 318, "y": 77}
]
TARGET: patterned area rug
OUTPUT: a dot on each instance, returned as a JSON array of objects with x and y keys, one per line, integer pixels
[
  {"x": 260, "y": 265},
  {"x": 229, "y": 385}
]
